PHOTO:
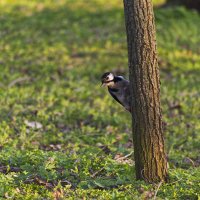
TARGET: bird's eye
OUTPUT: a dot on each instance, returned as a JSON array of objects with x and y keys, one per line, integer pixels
[{"x": 107, "y": 78}]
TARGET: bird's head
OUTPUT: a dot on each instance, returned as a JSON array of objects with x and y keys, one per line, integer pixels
[{"x": 107, "y": 79}]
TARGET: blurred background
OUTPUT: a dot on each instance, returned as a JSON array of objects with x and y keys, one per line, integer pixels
[{"x": 57, "y": 124}]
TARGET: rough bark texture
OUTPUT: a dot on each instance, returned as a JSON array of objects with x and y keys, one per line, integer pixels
[{"x": 150, "y": 158}]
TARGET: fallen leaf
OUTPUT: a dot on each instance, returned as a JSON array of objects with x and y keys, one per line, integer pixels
[{"x": 33, "y": 124}]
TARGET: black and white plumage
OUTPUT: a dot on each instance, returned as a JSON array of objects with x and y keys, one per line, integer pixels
[{"x": 119, "y": 89}]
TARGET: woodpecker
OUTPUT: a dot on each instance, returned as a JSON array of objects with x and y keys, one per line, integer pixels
[{"x": 119, "y": 89}]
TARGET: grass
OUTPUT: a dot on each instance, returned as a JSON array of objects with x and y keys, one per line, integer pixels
[{"x": 62, "y": 136}]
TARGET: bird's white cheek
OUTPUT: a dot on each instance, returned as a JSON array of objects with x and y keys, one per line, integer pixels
[{"x": 110, "y": 77}]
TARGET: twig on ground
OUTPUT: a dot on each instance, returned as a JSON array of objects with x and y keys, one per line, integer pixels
[
  {"x": 94, "y": 174},
  {"x": 126, "y": 156},
  {"x": 154, "y": 198},
  {"x": 175, "y": 181},
  {"x": 18, "y": 80}
]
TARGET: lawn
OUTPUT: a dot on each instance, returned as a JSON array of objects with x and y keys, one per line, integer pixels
[{"x": 62, "y": 135}]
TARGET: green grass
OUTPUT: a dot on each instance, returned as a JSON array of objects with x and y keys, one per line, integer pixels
[{"x": 52, "y": 56}]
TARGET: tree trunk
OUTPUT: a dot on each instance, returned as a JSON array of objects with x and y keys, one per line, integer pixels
[{"x": 149, "y": 153}]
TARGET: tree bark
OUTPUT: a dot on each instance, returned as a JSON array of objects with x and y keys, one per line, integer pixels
[{"x": 149, "y": 153}]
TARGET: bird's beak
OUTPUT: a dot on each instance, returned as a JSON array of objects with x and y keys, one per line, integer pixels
[{"x": 103, "y": 85}]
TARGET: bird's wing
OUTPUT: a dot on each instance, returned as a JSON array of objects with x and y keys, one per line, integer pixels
[{"x": 115, "y": 97}]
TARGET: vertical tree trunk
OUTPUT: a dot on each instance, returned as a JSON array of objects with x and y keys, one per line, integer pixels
[{"x": 150, "y": 158}]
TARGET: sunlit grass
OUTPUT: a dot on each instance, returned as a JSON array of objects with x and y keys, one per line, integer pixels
[{"x": 52, "y": 56}]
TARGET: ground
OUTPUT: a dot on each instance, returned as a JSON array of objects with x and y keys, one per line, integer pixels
[{"x": 62, "y": 135}]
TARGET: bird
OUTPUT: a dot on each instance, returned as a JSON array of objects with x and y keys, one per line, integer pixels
[{"x": 119, "y": 89}]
